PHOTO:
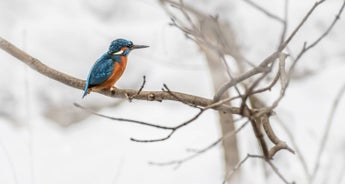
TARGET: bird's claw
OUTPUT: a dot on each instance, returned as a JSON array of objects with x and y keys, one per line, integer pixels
[{"x": 113, "y": 90}]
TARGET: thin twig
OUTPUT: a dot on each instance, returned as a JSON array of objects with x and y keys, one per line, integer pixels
[
  {"x": 166, "y": 88},
  {"x": 268, "y": 87},
  {"x": 265, "y": 11},
  {"x": 320, "y": 38},
  {"x": 172, "y": 129},
  {"x": 283, "y": 85},
  {"x": 230, "y": 174},
  {"x": 274, "y": 168},
  {"x": 123, "y": 119},
  {"x": 306, "y": 48},
  {"x": 228, "y": 71},
  {"x": 250, "y": 90},
  {"x": 296, "y": 148},
  {"x": 130, "y": 98},
  {"x": 154, "y": 140},
  {"x": 268, "y": 60},
  {"x": 285, "y": 22},
  {"x": 261, "y": 68},
  {"x": 337, "y": 17},
  {"x": 283, "y": 80},
  {"x": 197, "y": 153},
  {"x": 250, "y": 93},
  {"x": 305, "y": 18}
]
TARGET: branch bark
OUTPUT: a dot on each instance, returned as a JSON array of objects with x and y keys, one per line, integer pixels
[{"x": 71, "y": 81}]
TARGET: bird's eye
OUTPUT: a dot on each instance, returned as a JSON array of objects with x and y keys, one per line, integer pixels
[
  {"x": 118, "y": 52},
  {"x": 130, "y": 44}
]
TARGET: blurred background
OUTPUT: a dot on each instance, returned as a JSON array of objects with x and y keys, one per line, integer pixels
[{"x": 45, "y": 139}]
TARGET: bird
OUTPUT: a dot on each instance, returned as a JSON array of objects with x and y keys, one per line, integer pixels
[{"x": 110, "y": 66}]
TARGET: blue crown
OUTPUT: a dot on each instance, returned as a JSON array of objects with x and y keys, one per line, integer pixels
[{"x": 117, "y": 44}]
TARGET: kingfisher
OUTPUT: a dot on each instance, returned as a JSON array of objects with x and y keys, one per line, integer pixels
[{"x": 110, "y": 66}]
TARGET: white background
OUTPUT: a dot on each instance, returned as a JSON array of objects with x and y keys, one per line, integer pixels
[{"x": 45, "y": 139}]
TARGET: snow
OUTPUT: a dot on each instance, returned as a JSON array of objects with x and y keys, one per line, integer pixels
[{"x": 69, "y": 36}]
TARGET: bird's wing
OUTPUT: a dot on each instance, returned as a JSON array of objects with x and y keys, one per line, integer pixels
[{"x": 101, "y": 71}]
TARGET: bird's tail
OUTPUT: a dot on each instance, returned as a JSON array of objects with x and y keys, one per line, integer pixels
[{"x": 85, "y": 92}]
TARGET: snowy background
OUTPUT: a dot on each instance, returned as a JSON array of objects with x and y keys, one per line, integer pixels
[{"x": 45, "y": 139}]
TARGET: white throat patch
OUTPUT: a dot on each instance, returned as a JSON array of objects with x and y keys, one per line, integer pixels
[{"x": 118, "y": 53}]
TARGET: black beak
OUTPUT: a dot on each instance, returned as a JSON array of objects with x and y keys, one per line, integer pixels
[{"x": 139, "y": 47}]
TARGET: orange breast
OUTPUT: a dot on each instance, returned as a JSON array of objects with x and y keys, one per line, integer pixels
[{"x": 119, "y": 68}]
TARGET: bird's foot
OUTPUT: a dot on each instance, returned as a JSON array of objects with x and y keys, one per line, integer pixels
[{"x": 113, "y": 90}]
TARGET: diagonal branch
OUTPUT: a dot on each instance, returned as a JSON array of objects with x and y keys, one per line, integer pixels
[
  {"x": 37, "y": 65},
  {"x": 71, "y": 81}
]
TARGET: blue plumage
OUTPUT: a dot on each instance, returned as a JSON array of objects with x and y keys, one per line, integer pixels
[
  {"x": 100, "y": 72},
  {"x": 117, "y": 44},
  {"x": 104, "y": 66}
]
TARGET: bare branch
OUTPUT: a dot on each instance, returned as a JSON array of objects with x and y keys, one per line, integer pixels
[
  {"x": 337, "y": 17},
  {"x": 166, "y": 88},
  {"x": 130, "y": 98},
  {"x": 172, "y": 129},
  {"x": 197, "y": 153},
  {"x": 250, "y": 90},
  {"x": 283, "y": 82},
  {"x": 258, "y": 116},
  {"x": 120, "y": 93},
  {"x": 287, "y": 41},
  {"x": 268, "y": 60},
  {"x": 279, "y": 144},
  {"x": 123, "y": 119},
  {"x": 296, "y": 148},
  {"x": 267, "y": 88},
  {"x": 229, "y": 175},
  {"x": 306, "y": 48},
  {"x": 258, "y": 69},
  {"x": 154, "y": 140},
  {"x": 39, "y": 66}
]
